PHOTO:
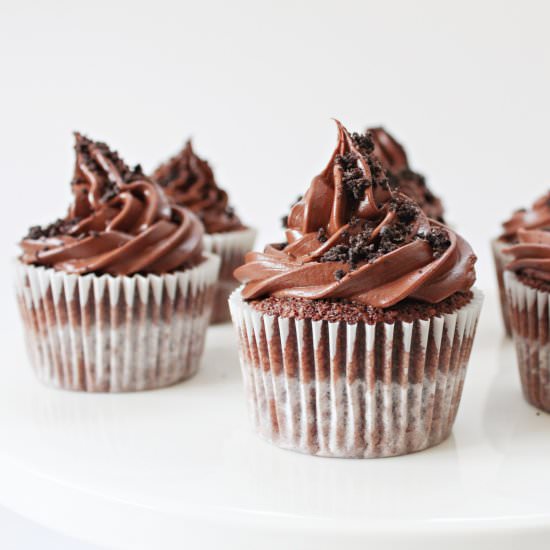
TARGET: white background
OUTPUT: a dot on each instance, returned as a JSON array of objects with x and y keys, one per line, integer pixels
[{"x": 464, "y": 85}]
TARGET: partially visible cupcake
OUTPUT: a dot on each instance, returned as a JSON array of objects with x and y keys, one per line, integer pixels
[
  {"x": 117, "y": 295},
  {"x": 536, "y": 217},
  {"x": 355, "y": 333},
  {"x": 189, "y": 181},
  {"x": 402, "y": 178},
  {"x": 527, "y": 284}
]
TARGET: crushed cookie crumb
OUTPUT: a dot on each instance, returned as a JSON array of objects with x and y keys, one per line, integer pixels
[
  {"x": 339, "y": 274},
  {"x": 55, "y": 229},
  {"x": 322, "y": 236}
]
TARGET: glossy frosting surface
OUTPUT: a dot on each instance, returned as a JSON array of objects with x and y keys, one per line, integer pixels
[
  {"x": 536, "y": 217},
  {"x": 120, "y": 222},
  {"x": 531, "y": 254},
  {"x": 189, "y": 181},
  {"x": 393, "y": 157},
  {"x": 352, "y": 237}
]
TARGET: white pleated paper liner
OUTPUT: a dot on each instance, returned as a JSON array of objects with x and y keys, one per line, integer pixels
[
  {"x": 354, "y": 390},
  {"x": 530, "y": 319},
  {"x": 231, "y": 247},
  {"x": 115, "y": 334},
  {"x": 501, "y": 260}
]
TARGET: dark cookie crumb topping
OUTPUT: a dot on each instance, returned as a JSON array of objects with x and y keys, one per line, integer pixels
[
  {"x": 360, "y": 247},
  {"x": 82, "y": 148},
  {"x": 364, "y": 142},
  {"x": 339, "y": 274},
  {"x": 438, "y": 239},
  {"x": 354, "y": 179},
  {"x": 55, "y": 229}
]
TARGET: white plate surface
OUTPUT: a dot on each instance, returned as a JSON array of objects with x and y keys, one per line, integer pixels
[{"x": 180, "y": 467}]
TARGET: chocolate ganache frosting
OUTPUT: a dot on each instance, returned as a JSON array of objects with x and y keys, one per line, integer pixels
[
  {"x": 189, "y": 181},
  {"x": 536, "y": 217},
  {"x": 353, "y": 237},
  {"x": 394, "y": 159},
  {"x": 120, "y": 222},
  {"x": 531, "y": 254}
]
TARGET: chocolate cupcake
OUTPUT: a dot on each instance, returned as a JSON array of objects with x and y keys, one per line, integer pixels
[
  {"x": 355, "y": 333},
  {"x": 394, "y": 159},
  {"x": 537, "y": 217},
  {"x": 189, "y": 181},
  {"x": 117, "y": 295},
  {"x": 527, "y": 284}
]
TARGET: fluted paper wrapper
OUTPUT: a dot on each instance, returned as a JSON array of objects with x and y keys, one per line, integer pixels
[
  {"x": 529, "y": 319},
  {"x": 501, "y": 260},
  {"x": 354, "y": 390},
  {"x": 115, "y": 334},
  {"x": 231, "y": 248}
]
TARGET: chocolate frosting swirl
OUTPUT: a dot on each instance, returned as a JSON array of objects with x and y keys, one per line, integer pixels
[
  {"x": 189, "y": 181},
  {"x": 537, "y": 217},
  {"x": 531, "y": 254},
  {"x": 352, "y": 237},
  {"x": 120, "y": 222},
  {"x": 393, "y": 157}
]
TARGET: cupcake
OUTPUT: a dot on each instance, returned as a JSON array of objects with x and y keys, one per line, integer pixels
[
  {"x": 527, "y": 285},
  {"x": 394, "y": 159},
  {"x": 117, "y": 295},
  {"x": 355, "y": 333},
  {"x": 537, "y": 217},
  {"x": 189, "y": 181}
]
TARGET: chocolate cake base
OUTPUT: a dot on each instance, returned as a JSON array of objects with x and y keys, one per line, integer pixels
[
  {"x": 529, "y": 306},
  {"x": 352, "y": 312},
  {"x": 353, "y": 390},
  {"x": 115, "y": 334},
  {"x": 531, "y": 282}
]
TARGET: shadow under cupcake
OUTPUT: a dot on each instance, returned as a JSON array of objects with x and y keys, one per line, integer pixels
[
  {"x": 189, "y": 181},
  {"x": 117, "y": 295},
  {"x": 355, "y": 333}
]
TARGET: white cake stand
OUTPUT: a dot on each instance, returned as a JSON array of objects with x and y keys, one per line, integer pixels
[{"x": 180, "y": 468}]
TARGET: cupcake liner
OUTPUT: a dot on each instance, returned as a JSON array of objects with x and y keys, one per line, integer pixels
[
  {"x": 114, "y": 334},
  {"x": 231, "y": 247},
  {"x": 529, "y": 319},
  {"x": 501, "y": 261},
  {"x": 354, "y": 390}
]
